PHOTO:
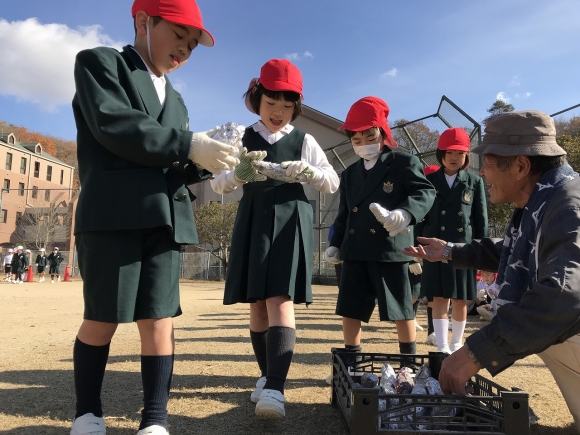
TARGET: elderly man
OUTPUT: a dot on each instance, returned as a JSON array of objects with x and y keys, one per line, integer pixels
[{"x": 537, "y": 260}]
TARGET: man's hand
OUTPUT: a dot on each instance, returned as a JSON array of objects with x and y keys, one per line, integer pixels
[
  {"x": 211, "y": 154},
  {"x": 397, "y": 221},
  {"x": 332, "y": 255},
  {"x": 415, "y": 268},
  {"x": 245, "y": 172},
  {"x": 456, "y": 370},
  {"x": 429, "y": 249}
]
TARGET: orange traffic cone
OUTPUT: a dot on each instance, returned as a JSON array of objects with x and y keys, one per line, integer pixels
[
  {"x": 66, "y": 274},
  {"x": 30, "y": 276}
]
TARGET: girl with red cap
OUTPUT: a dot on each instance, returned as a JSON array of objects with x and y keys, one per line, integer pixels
[
  {"x": 459, "y": 214},
  {"x": 374, "y": 267},
  {"x": 271, "y": 257}
]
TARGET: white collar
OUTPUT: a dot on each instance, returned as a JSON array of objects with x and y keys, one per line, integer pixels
[
  {"x": 260, "y": 127},
  {"x": 153, "y": 76}
]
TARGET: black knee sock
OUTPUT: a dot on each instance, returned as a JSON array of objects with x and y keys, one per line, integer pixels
[
  {"x": 415, "y": 306},
  {"x": 430, "y": 328},
  {"x": 281, "y": 341},
  {"x": 408, "y": 348},
  {"x": 89, "y": 370},
  {"x": 353, "y": 347},
  {"x": 156, "y": 373},
  {"x": 259, "y": 343}
]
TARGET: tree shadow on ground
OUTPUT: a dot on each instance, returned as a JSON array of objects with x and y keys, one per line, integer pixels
[{"x": 52, "y": 393}]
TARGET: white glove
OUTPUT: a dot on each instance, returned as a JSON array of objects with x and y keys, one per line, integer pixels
[
  {"x": 332, "y": 255},
  {"x": 211, "y": 154},
  {"x": 397, "y": 221},
  {"x": 415, "y": 268},
  {"x": 293, "y": 168},
  {"x": 418, "y": 260}
]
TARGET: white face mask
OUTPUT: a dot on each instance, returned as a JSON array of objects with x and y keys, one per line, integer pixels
[{"x": 368, "y": 152}]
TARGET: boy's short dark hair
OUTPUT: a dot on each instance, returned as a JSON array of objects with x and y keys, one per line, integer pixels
[
  {"x": 154, "y": 20},
  {"x": 441, "y": 153},
  {"x": 256, "y": 97},
  {"x": 366, "y": 132}
]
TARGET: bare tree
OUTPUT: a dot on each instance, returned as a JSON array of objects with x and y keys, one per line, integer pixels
[
  {"x": 215, "y": 227},
  {"x": 416, "y": 134},
  {"x": 44, "y": 223}
]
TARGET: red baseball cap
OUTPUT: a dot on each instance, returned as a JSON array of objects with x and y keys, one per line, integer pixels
[
  {"x": 454, "y": 138},
  {"x": 430, "y": 169},
  {"x": 183, "y": 12},
  {"x": 277, "y": 75},
  {"x": 370, "y": 112}
]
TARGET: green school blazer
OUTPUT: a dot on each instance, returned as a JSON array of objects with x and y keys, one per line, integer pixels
[
  {"x": 396, "y": 181},
  {"x": 132, "y": 152}
]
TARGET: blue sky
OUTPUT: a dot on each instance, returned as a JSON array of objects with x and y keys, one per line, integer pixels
[{"x": 408, "y": 52}]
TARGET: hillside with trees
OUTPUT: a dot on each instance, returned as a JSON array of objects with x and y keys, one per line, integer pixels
[{"x": 56, "y": 147}]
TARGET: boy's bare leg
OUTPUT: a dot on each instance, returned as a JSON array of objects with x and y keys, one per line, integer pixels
[
  {"x": 406, "y": 330},
  {"x": 352, "y": 331},
  {"x": 156, "y": 336}
]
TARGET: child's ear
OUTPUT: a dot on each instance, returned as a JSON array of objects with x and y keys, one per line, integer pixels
[{"x": 141, "y": 22}]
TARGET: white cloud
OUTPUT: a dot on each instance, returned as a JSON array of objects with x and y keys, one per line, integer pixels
[
  {"x": 502, "y": 96},
  {"x": 390, "y": 73},
  {"x": 298, "y": 56},
  {"x": 38, "y": 60},
  {"x": 515, "y": 81},
  {"x": 524, "y": 95}
]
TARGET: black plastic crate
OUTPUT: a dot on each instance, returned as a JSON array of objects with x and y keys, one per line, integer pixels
[{"x": 490, "y": 409}]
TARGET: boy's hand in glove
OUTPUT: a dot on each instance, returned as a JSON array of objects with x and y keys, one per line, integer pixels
[
  {"x": 244, "y": 171},
  {"x": 293, "y": 168},
  {"x": 395, "y": 221},
  {"x": 415, "y": 268},
  {"x": 332, "y": 255},
  {"x": 210, "y": 154}
]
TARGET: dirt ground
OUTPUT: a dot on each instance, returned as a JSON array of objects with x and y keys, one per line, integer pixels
[{"x": 214, "y": 370}]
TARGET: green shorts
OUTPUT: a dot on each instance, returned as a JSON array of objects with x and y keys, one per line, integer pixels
[
  {"x": 129, "y": 275},
  {"x": 364, "y": 283}
]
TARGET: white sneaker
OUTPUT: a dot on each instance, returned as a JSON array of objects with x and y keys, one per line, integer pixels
[
  {"x": 271, "y": 404},
  {"x": 431, "y": 339},
  {"x": 255, "y": 396},
  {"x": 19, "y": 282},
  {"x": 417, "y": 326},
  {"x": 455, "y": 346},
  {"x": 444, "y": 350},
  {"x": 485, "y": 315},
  {"x": 329, "y": 379},
  {"x": 52, "y": 281},
  {"x": 58, "y": 279},
  {"x": 88, "y": 424},
  {"x": 153, "y": 430}
]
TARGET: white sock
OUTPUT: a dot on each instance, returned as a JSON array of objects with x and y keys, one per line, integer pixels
[
  {"x": 457, "y": 330},
  {"x": 441, "y": 327}
]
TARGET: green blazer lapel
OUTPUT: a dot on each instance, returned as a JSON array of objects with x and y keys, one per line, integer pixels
[
  {"x": 143, "y": 82},
  {"x": 376, "y": 176}
]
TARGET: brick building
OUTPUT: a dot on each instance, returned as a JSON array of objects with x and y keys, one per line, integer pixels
[{"x": 36, "y": 187}]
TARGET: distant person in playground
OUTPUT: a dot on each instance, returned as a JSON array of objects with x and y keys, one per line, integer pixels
[
  {"x": 41, "y": 262},
  {"x": 54, "y": 260}
]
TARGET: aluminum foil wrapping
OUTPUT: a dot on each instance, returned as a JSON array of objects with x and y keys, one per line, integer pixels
[
  {"x": 276, "y": 172},
  {"x": 404, "y": 381},
  {"x": 369, "y": 380},
  {"x": 433, "y": 386},
  {"x": 423, "y": 373},
  {"x": 230, "y": 133},
  {"x": 419, "y": 389},
  {"x": 388, "y": 377}
]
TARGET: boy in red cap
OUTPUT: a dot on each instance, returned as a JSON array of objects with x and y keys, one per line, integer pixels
[
  {"x": 136, "y": 158},
  {"x": 373, "y": 266},
  {"x": 272, "y": 246},
  {"x": 458, "y": 215}
]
